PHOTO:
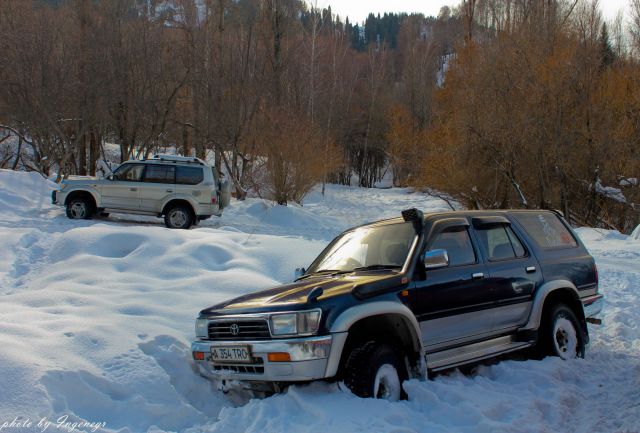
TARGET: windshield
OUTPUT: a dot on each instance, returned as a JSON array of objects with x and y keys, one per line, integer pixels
[{"x": 374, "y": 247}]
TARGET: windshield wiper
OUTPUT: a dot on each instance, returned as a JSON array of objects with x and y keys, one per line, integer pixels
[
  {"x": 376, "y": 267},
  {"x": 322, "y": 272},
  {"x": 328, "y": 272},
  {"x": 347, "y": 271}
]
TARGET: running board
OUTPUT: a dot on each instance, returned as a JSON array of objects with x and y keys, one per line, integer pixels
[{"x": 474, "y": 352}]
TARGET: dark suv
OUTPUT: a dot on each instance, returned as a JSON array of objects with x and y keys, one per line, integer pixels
[{"x": 400, "y": 298}]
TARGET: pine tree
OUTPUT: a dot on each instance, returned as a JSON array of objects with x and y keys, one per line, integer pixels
[{"x": 608, "y": 56}]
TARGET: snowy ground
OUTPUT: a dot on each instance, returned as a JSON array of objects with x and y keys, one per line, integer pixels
[{"x": 96, "y": 319}]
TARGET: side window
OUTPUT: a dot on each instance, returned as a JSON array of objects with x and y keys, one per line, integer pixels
[
  {"x": 501, "y": 243},
  {"x": 158, "y": 173},
  {"x": 129, "y": 172},
  {"x": 546, "y": 229},
  {"x": 189, "y": 175},
  {"x": 458, "y": 245},
  {"x": 515, "y": 243}
]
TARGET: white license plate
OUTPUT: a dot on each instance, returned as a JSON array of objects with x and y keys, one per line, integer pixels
[{"x": 231, "y": 354}]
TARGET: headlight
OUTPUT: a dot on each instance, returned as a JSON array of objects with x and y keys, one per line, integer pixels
[
  {"x": 202, "y": 330},
  {"x": 302, "y": 323}
]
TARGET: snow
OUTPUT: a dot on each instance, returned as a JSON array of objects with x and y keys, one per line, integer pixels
[
  {"x": 631, "y": 181},
  {"x": 445, "y": 62},
  {"x": 615, "y": 194},
  {"x": 97, "y": 316}
]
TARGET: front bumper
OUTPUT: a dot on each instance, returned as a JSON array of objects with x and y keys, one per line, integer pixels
[
  {"x": 305, "y": 364},
  {"x": 58, "y": 197},
  {"x": 592, "y": 305}
]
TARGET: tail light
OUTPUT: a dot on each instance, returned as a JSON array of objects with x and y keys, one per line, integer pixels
[{"x": 595, "y": 269}]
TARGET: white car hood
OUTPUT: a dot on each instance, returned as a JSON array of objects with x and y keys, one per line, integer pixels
[{"x": 81, "y": 180}]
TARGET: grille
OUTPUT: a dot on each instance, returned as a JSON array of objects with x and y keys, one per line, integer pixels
[
  {"x": 257, "y": 368},
  {"x": 257, "y": 329},
  {"x": 250, "y": 369}
]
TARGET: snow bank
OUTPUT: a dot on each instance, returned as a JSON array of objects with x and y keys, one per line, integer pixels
[
  {"x": 97, "y": 316},
  {"x": 24, "y": 196}
]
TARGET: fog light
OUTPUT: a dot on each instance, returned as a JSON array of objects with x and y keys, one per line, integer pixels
[
  {"x": 279, "y": 357},
  {"x": 198, "y": 356}
]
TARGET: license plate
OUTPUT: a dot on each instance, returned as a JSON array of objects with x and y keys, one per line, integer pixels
[{"x": 231, "y": 354}]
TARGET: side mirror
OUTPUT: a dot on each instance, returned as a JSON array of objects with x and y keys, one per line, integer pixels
[
  {"x": 299, "y": 272},
  {"x": 435, "y": 259}
]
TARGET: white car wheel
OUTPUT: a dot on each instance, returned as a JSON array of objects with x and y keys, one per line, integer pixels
[
  {"x": 78, "y": 208},
  {"x": 178, "y": 217},
  {"x": 565, "y": 338},
  {"x": 387, "y": 385}
]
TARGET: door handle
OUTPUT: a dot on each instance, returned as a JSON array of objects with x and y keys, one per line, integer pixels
[
  {"x": 477, "y": 275},
  {"x": 530, "y": 269},
  {"x": 133, "y": 189},
  {"x": 169, "y": 190}
]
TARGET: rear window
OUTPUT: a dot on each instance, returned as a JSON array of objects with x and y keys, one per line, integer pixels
[
  {"x": 547, "y": 230},
  {"x": 500, "y": 242},
  {"x": 156, "y": 173},
  {"x": 189, "y": 175}
]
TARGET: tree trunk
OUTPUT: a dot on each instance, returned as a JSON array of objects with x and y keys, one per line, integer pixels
[
  {"x": 15, "y": 162},
  {"x": 81, "y": 143},
  {"x": 94, "y": 153}
]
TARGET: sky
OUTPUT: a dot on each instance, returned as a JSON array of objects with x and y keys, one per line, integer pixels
[{"x": 357, "y": 10}]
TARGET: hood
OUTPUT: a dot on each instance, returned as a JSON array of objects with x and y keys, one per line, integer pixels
[
  {"x": 294, "y": 295},
  {"x": 79, "y": 180}
]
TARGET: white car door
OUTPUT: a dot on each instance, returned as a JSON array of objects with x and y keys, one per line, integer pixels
[
  {"x": 158, "y": 183},
  {"x": 121, "y": 190}
]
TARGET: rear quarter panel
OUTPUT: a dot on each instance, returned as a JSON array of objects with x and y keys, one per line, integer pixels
[{"x": 574, "y": 264}]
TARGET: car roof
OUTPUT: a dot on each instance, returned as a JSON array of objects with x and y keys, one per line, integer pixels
[
  {"x": 165, "y": 161},
  {"x": 457, "y": 213}
]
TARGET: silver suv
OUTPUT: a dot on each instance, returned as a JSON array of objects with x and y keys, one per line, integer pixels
[{"x": 184, "y": 190}]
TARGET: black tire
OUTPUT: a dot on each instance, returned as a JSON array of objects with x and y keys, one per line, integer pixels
[
  {"x": 79, "y": 208},
  {"x": 178, "y": 217},
  {"x": 560, "y": 334},
  {"x": 370, "y": 361}
]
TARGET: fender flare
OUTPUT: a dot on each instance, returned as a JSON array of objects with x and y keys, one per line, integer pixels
[
  {"x": 182, "y": 197},
  {"x": 346, "y": 319},
  {"x": 535, "y": 317},
  {"x": 90, "y": 190}
]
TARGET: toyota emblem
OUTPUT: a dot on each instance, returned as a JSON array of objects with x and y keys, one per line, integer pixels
[{"x": 234, "y": 329}]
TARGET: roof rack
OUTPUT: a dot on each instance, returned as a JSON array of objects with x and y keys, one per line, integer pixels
[{"x": 178, "y": 158}]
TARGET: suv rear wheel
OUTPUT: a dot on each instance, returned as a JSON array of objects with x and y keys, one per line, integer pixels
[
  {"x": 179, "y": 217},
  {"x": 560, "y": 333},
  {"x": 375, "y": 370},
  {"x": 79, "y": 208}
]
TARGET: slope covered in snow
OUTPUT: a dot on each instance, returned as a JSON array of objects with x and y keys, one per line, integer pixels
[{"x": 96, "y": 319}]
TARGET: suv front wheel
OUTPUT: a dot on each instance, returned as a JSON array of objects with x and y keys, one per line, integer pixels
[
  {"x": 179, "y": 217},
  {"x": 79, "y": 208},
  {"x": 375, "y": 370}
]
